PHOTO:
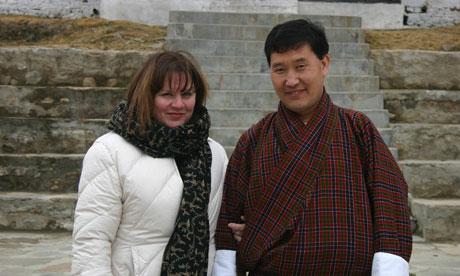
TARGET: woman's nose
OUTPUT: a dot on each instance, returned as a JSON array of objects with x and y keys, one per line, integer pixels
[{"x": 178, "y": 102}]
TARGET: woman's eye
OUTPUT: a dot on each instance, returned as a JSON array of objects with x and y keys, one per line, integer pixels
[
  {"x": 166, "y": 94},
  {"x": 187, "y": 94}
]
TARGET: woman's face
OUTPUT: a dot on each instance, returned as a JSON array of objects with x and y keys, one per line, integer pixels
[{"x": 174, "y": 104}]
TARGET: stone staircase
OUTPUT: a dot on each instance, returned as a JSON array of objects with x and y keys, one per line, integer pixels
[
  {"x": 55, "y": 102},
  {"x": 426, "y": 131},
  {"x": 229, "y": 48}
]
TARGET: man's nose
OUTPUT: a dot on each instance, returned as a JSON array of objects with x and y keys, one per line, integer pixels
[{"x": 292, "y": 79}]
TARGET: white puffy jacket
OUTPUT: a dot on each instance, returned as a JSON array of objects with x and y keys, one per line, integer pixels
[{"x": 127, "y": 207}]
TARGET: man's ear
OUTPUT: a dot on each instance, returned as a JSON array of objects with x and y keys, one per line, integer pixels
[{"x": 325, "y": 62}]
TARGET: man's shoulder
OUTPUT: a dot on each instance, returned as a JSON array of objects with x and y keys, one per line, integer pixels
[{"x": 357, "y": 118}]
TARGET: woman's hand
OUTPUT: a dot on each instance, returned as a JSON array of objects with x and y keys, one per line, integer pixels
[{"x": 237, "y": 229}]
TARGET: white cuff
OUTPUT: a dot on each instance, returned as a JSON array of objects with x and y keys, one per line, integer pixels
[
  {"x": 389, "y": 264},
  {"x": 225, "y": 263}
]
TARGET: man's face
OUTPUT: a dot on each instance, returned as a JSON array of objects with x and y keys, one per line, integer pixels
[{"x": 298, "y": 78}]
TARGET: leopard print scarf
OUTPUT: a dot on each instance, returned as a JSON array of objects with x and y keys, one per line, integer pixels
[{"x": 187, "y": 250}]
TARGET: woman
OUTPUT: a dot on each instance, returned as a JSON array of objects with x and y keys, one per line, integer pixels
[{"x": 150, "y": 190}]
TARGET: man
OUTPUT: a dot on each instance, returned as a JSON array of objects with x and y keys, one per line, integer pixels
[{"x": 320, "y": 192}]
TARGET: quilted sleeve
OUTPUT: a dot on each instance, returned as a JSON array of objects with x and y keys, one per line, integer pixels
[{"x": 97, "y": 214}]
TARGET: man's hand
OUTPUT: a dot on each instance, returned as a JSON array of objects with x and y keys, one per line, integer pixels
[{"x": 237, "y": 229}]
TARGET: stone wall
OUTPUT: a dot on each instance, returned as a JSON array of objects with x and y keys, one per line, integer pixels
[
  {"x": 52, "y": 8},
  {"x": 431, "y": 13},
  {"x": 416, "y": 69}
]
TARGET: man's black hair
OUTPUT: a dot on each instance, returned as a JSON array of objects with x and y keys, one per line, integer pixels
[{"x": 294, "y": 34}]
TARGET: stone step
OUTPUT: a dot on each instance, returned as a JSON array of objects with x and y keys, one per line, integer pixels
[
  {"x": 259, "y": 82},
  {"x": 204, "y": 47},
  {"x": 423, "y": 106},
  {"x": 238, "y": 64},
  {"x": 427, "y": 141},
  {"x": 229, "y": 136},
  {"x": 37, "y": 211},
  {"x": 69, "y": 67},
  {"x": 59, "y": 102},
  {"x": 77, "y": 102},
  {"x": 432, "y": 179},
  {"x": 255, "y": 33},
  {"x": 43, "y": 135},
  {"x": 437, "y": 219},
  {"x": 258, "y": 19},
  {"x": 269, "y": 99},
  {"x": 55, "y": 173}
]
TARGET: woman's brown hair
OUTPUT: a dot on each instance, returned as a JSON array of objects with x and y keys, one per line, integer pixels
[{"x": 149, "y": 80}]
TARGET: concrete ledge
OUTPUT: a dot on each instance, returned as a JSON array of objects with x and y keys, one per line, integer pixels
[
  {"x": 427, "y": 141},
  {"x": 432, "y": 179},
  {"x": 438, "y": 220},
  {"x": 51, "y": 173},
  {"x": 69, "y": 67},
  {"x": 32, "y": 211},
  {"x": 416, "y": 69},
  {"x": 423, "y": 106}
]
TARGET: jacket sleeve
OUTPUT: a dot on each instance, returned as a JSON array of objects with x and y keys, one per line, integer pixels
[
  {"x": 388, "y": 194},
  {"x": 97, "y": 214}
]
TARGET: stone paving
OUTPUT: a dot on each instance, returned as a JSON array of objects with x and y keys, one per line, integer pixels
[{"x": 49, "y": 254}]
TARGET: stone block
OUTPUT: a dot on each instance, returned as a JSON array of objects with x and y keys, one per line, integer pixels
[
  {"x": 259, "y": 19},
  {"x": 68, "y": 67},
  {"x": 437, "y": 220},
  {"x": 432, "y": 179},
  {"x": 423, "y": 106},
  {"x": 257, "y": 33},
  {"x": 427, "y": 141},
  {"x": 32, "y": 135},
  {"x": 231, "y": 64},
  {"x": 54, "y": 173},
  {"x": 59, "y": 102},
  {"x": 255, "y": 48},
  {"x": 417, "y": 69},
  {"x": 33, "y": 211},
  {"x": 261, "y": 82},
  {"x": 269, "y": 99}
]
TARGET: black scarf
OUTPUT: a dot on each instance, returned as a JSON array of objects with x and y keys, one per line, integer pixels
[{"x": 187, "y": 249}]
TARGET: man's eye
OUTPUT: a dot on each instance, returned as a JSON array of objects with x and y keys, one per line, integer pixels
[
  {"x": 301, "y": 66},
  {"x": 279, "y": 70}
]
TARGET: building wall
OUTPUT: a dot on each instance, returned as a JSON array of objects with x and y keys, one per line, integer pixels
[
  {"x": 155, "y": 12},
  {"x": 52, "y": 8},
  {"x": 374, "y": 16},
  {"x": 431, "y": 13}
]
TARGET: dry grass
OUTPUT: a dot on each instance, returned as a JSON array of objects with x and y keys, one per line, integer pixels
[
  {"x": 96, "y": 33},
  {"x": 436, "y": 39},
  {"x": 88, "y": 33}
]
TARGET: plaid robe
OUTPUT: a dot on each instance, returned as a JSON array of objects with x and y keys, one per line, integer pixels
[{"x": 319, "y": 199}]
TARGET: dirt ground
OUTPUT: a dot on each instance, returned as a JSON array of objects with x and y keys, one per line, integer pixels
[{"x": 96, "y": 33}]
